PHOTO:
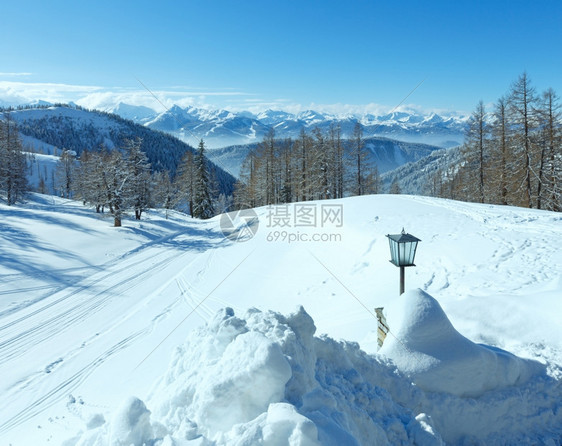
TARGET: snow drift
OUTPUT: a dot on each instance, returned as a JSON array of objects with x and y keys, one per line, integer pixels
[
  {"x": 265, "y": 379},
  {"x": 427, "y": 348}
]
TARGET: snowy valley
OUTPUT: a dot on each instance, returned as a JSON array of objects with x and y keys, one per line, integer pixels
[{"x": 166, "y": 332}]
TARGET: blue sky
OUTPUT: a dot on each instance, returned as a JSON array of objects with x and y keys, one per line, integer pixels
[{"x": 280, "y": 54}]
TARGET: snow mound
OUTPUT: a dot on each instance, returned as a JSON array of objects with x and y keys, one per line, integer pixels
[
  {"x": 131, "y": 423},
  {"x": 265, "y": 379},
  {"x": 427, "y": 348}
]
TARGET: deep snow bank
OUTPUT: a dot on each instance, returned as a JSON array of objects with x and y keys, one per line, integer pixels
[
  {"x": 265, "y": 379},
  {"x": 476, "y": 394},
  {"x": 427, "y": 348}
]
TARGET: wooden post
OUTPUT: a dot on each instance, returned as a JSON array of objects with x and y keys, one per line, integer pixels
[{"x": 382, "y": 326}]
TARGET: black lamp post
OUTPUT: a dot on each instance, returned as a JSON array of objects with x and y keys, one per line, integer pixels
[{"x": 402, "y": 251}]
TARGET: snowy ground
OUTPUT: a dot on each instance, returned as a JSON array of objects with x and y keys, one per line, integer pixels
[{"x": 91, "y": 314}]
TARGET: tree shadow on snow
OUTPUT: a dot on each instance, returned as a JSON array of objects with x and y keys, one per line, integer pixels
[
  {"x": 186, "y": 238},
  {"x": 45, "y": 217},
  {"x": 22, "y": 261}
]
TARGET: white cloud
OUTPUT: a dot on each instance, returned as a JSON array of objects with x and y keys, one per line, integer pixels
[
  {"x": 103, "y": 98},
  {"x": 15, "y": 74},
  {"x": 23, "y": 92},
  {"x": 158, "y": 100},
  {"x": 91, "y": 96}
]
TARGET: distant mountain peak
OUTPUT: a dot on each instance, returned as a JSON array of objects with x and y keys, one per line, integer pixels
[
  {"x": 222, "y": 128},
  {"x": 137, "y": 113},
  {"x": 39, "y": 103}
]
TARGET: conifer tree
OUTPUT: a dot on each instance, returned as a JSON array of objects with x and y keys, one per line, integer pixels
[
  {"x": 318, "y": 172},
  {"x": 92, "y": 181},
  {"x": 358, "y": 158},
  {"x": 361, "y": 169},
  {"x": 287, "y": 171},
  {"x": 500, "y": 134},
  {"x": 550, "y": 166},
  {"x": 13, "y": 181},
  {"x": 268, "y": 147},
  {"x": 337, "y": 160},
  {"x": 475, "y": 150},
  {"x": 522, "y": 102},
  {"x": 116, "y": 185},
  {"x": 165, "y": 192},
  {"x": 138, "y": 177},
  {"x": 395, "y": 187},
  {"x": 202, "y": 202},
  {"x": 185, "y": 181},
  {"x": 65, "y": 173},
  {"x": 303, "y": 166}
]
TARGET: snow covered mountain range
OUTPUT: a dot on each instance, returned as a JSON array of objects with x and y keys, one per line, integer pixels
[{"x": 221, "y": 128}]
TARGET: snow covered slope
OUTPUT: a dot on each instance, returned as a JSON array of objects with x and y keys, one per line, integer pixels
[
  {"x": 422, "y": 176},
  {"x": 90, "y": 315}
]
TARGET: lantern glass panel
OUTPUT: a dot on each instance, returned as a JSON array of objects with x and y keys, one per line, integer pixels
[
  {"x": 405, "y": 253},
  {"x": 409, "y": 252},
  {"x": 403, "y": 248},
  {"x": 393, "y": 250},
  {"x": 401, "y": 254}
]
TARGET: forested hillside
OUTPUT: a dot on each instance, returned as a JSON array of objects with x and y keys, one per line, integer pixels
[
  {"x": 427, "y": 176},
  {"x": 76, "y": 129},
  {"x": 317, "y": 165},
  {"x": 513, "y": 151},
  {"x": 386, "y": 154}
]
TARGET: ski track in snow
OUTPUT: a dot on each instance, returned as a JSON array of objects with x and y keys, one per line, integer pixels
[
  {"x": 62, "y": 391},
  {"x": 41, "y": 327},
  {"x": 197, "y": 300},
  {"x": 39, "y": 320}
]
